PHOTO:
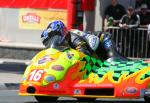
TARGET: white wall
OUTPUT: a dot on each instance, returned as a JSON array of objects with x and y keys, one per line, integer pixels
[
  {"x": 9, "y": 23},
  {"x": 9, "y": 28}
]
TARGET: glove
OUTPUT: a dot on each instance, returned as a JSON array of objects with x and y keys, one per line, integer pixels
[
  {"x": 92, "y": 40},
  {"x": 80, "y": 33}
]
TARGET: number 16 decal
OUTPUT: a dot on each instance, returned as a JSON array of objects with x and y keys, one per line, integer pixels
[{"x": 36, "y": 75}]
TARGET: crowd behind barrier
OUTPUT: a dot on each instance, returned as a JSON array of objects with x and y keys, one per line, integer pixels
[
  {"x": 134, "y": 43},
  {"x": 131, "y": 32}
]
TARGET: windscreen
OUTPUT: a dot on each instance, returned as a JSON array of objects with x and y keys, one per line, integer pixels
[{"x": 58, "y": 43}]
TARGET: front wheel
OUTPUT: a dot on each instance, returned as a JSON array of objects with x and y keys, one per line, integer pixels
[
  {"x": 81, "y": 99},
  {"x": 147, "y": 99},
  {"x": 46, "y": 98},
  {"x": 147, "y": 96}
]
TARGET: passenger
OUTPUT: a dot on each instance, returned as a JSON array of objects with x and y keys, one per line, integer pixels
[
  {"x": 56, "y": 34},
  {"x": 88, "y": 43}
]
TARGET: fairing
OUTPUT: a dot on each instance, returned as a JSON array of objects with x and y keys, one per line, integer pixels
[{"x": 72, "y": 73}]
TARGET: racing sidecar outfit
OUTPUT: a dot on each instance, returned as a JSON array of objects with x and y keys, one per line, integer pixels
[{"x": 72, "y": 40}]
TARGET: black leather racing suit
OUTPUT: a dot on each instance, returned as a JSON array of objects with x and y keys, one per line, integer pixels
[
  {"x": 99, "y": 43},
  {"x": 71, "y": 40},
  {"x": 89, "y": 43}
]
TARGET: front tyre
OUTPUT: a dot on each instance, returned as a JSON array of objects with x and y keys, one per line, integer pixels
[
  {"x": 46, "y": 98},
  {"x": 147, "y": 96},
  {"x": 147, "y": 99},
  {"x": 81, "y": 99}
]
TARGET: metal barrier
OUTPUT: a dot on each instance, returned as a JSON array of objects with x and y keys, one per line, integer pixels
[{"x": 133, "y": 43}]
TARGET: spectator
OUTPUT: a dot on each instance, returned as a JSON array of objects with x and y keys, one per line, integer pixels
[
  {"x": 130, "y": 20},
  {"x": 113, "y": 13},
  {"x": 144, "y": 16},
  {"x": 138, "y": 3},
  {"x": 145, "y": 22},
  {"x": 148, "y": 4}
]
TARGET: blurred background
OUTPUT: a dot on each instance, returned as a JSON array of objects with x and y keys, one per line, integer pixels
[{"x": 22, "y": 21}]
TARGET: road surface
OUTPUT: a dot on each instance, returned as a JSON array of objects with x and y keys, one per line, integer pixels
[
  {"x": 10, "y": 76},
  {"x": 11, "y": 96}
]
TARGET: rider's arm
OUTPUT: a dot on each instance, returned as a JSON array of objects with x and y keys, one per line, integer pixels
[
  {"x": 92, "y": 40},
  {"x": 82, "y": 34}
]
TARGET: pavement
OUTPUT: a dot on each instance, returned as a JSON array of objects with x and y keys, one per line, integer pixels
[
  {"x": 20, "y": 51},
  {"x": 14, "y": 57},
  {"x": 11, "y": 72}
]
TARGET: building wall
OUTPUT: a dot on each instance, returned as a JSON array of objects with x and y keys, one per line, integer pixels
[
  {"x": 9, "y": 28},
  {"x": 9, "y": 23}
]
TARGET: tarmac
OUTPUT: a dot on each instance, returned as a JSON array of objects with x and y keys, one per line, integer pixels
[
  {"x": 11, "y": 72},
  {"x": 14, "y": 58}
]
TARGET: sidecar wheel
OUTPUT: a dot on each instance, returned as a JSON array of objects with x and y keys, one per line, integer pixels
[
  {"x": 45, "y": 98},
  {"x": 147, "y": 99},
  {"x": 81, "y": 99},
  {"x": 147, "y": 96}
]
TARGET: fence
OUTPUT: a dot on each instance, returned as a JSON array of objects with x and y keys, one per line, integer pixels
[{"x": 134, "y": 43}]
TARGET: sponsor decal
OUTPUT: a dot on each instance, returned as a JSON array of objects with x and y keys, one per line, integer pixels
[
  {"x": 38, "y": 19},
  {"x": 45, "y": 59},
  {"x": 142, "y": 91},
  {"x": 57, "y": 67},
  {"x": 93, "y": 85},
  {"x": 131, "y": 90},
  {"x": 31, "y": 18},
  {"x": 49, "y": 78},
  {"x": 77, "y": 91},
  {"x": 56, "y": 86},
  {"x": 69, "y": 55}
]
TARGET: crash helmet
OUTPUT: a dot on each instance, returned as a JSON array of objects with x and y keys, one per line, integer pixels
[{"x": 54, "y": 28}]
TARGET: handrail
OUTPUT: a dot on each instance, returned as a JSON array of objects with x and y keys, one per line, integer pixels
[
  {"x": 133, "y": 43},
  {"x": 114, "y": 27}
]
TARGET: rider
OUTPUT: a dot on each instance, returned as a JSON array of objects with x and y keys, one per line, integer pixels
[
  {"x": 56, "y": 35},
  {"x": 99, "y": 43}
]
